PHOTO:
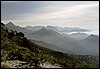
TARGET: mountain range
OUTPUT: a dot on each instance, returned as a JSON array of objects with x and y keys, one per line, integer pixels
[
  {"x": 19, "y": 52},
  {"x": 57, "y": 29},
  {"x": 84, "y": 45}
]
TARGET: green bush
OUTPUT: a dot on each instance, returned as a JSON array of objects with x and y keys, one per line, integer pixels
[
  {"x": 3, "y": 56},
  {"x": 5, "y": 66}
]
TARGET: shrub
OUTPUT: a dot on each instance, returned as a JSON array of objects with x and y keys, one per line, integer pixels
[
  {"x": 5, "y": 66},
  {"x": 3, "y": 56},
  {"x": 20, "y": 34}
]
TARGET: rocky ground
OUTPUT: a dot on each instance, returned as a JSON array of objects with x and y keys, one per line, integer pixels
[
  {"x": 17, "y": 64},
  {"x": 22, "y": 64},
  {"x": 47, "y": 65}
]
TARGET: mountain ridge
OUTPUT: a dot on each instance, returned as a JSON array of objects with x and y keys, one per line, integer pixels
[
  {"x": 57, "y": 39},
  {"x": 45, "y": 32}
]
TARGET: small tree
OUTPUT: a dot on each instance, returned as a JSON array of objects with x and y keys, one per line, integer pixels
[
  {"x": 6, "y": 30},
  {"x": 20, "y": 34},
  {"x": 2, "y": 24},
  {"x": 15, "y": 32},
  {"x": 11, "y": 34}
]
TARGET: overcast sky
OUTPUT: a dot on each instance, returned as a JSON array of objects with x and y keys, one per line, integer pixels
[{"x": 84, "y": 14}]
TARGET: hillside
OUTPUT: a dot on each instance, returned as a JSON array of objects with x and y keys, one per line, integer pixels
[
  {"x": 92, "y": 38},
  {"x": 49, "y": 46},
  {"x": 64, "y": 42},
  {"x": 91, "y": 43},
  {"x": 15, "y": 47}
]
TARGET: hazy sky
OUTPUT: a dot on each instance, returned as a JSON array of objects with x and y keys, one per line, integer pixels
[{"x": 84, "y": 14}]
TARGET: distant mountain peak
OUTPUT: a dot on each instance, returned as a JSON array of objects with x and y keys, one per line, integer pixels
[
  {"x": 50, "y": 26},
  {"x": 43, "y": 28},
  {"x": 28, "y": 26},
  {"x": 10, "y": 23},
  {"x": 92, "y": 37},
  {"x": 44, "y": 31}
]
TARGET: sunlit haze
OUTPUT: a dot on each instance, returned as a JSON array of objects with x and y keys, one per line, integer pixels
[{"x": 83, "y": 14}]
